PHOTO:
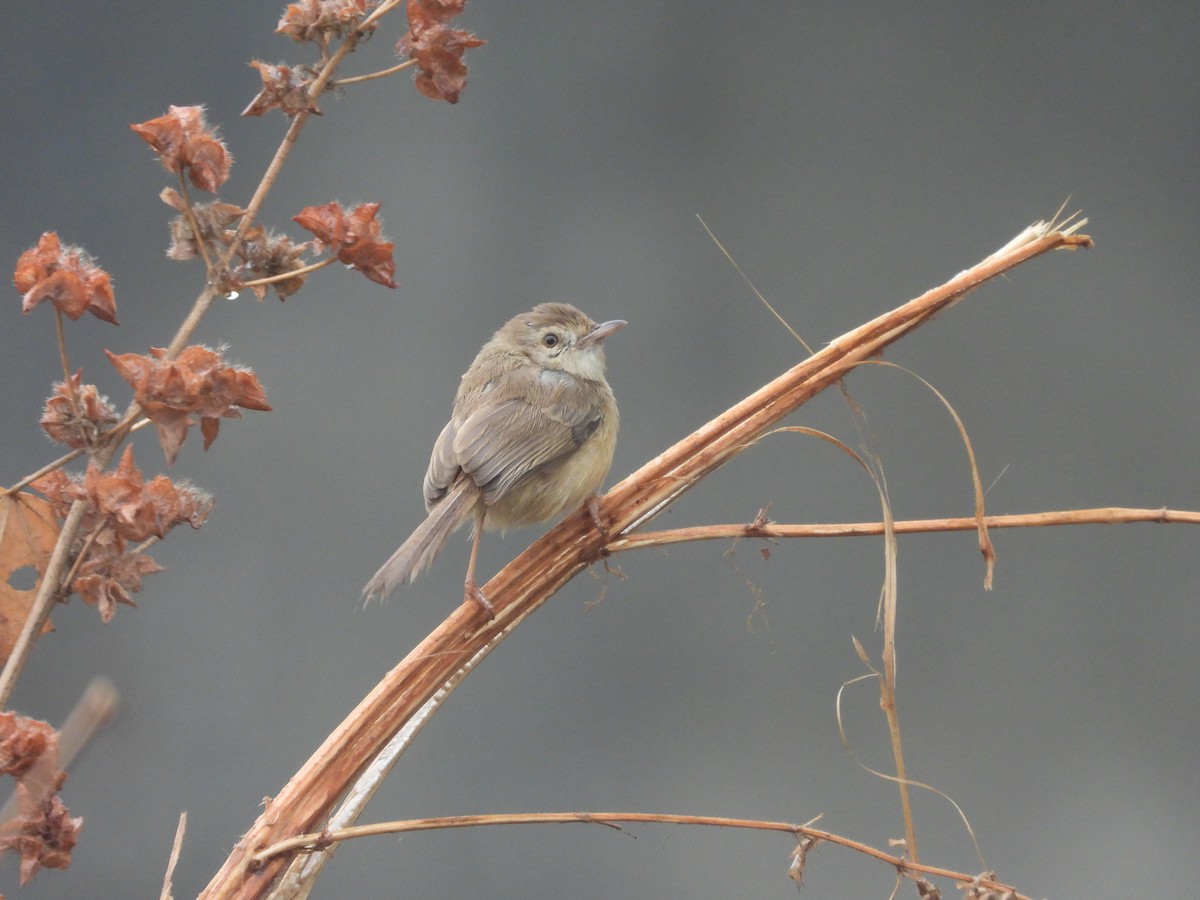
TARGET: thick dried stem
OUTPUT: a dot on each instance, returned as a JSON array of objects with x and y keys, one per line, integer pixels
[{"x": 534, "y": 576}]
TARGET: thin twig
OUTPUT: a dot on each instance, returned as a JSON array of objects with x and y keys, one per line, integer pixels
[
  {"x": 287, "y": 276},
  {"x": 190, "y": 214},
  {"x": 371, "y": 76},
  {"x": 45, "y": 470},
  {"x": 1108, "y": 515},
  {"x": 321, "y": 839}
]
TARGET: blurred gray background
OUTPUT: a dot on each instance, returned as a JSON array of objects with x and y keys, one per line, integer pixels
[{"x": 850, "y": 157}]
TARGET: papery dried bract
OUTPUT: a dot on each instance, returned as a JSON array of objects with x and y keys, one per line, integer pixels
[
  {"x": 196, "y": 383},
  {"x": 185, "y": 142},
  {"x": 67, "y": 277},
  {"x": 354, "y": 238}
]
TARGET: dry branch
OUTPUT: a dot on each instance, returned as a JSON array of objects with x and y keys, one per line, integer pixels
[
  {"x": 534, "y": 576},
  {"x": 317, "y": 840},
  {"x": 1105, "y": 515}
]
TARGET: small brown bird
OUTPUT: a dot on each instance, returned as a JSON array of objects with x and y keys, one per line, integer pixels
[{"x": 531, "y": 436}]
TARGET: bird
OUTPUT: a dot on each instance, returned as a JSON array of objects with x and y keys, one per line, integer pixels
[{"x": 531, "y": 436}]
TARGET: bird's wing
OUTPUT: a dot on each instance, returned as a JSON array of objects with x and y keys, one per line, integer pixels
[
  {"x": 443, "y": 465},
  {"x": 499, "y": 444}
]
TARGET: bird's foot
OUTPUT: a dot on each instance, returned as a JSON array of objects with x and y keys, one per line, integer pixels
[
  {"x": 473, "y": 591},
  {"x": 593, "y": 508},
  {"x": 601, "y": 552}
]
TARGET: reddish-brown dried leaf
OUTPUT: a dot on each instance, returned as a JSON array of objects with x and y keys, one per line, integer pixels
[
  {"x": 28, "y": 531},
  {"x": 66, "y": 276},
  {"x": 44, "y": 835},
  {"x": 76, "y": 414},
  {"x": 184, "y": 141},
  {"x": 196, "y": 383}
]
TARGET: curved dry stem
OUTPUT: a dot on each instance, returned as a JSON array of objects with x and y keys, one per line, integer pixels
[
  {"x": 875, "y": 673},
  {"x": 287, "y": 276},
  {"x": 534, "y": 576},
  {"x": 322, "y": 839},
  {"x": 371, "y": 76}
]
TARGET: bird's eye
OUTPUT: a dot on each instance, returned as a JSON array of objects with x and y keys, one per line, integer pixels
[{"x": 550, "y": 339}]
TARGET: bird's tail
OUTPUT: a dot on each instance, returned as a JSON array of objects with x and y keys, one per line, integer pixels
[{"x": 418, "y": 552}]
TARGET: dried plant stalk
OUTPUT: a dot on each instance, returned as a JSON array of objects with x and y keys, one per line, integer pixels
[{"x": 534, "y": 576}]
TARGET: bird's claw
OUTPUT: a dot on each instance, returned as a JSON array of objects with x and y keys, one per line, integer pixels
[{"x": 474, "y": 592}]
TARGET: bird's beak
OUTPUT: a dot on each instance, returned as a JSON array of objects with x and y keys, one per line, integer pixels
[{"x": 600, "y": 332}]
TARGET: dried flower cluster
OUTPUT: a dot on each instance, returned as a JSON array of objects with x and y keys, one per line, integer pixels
[
  {"x": 267, "y": 255},
  {"x": 197, "y": 383},
  {"x": 323, "y": 20},
  {"x": 77, "y": 414},
  {"x": 43, "y": 833},
  {"x": 285, "y": 88},
  {"x": 186, "y": 143},
  {"x": 67, "y": 277},
  {"x": 436, "y": 48},
  {"x": 121, "y": 507},
  {"x": 123, "y": 511},
  {"x": 354, "y": 237}
]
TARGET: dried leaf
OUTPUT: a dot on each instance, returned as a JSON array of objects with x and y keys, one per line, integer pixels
[{"x": 28, "y": 532}]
